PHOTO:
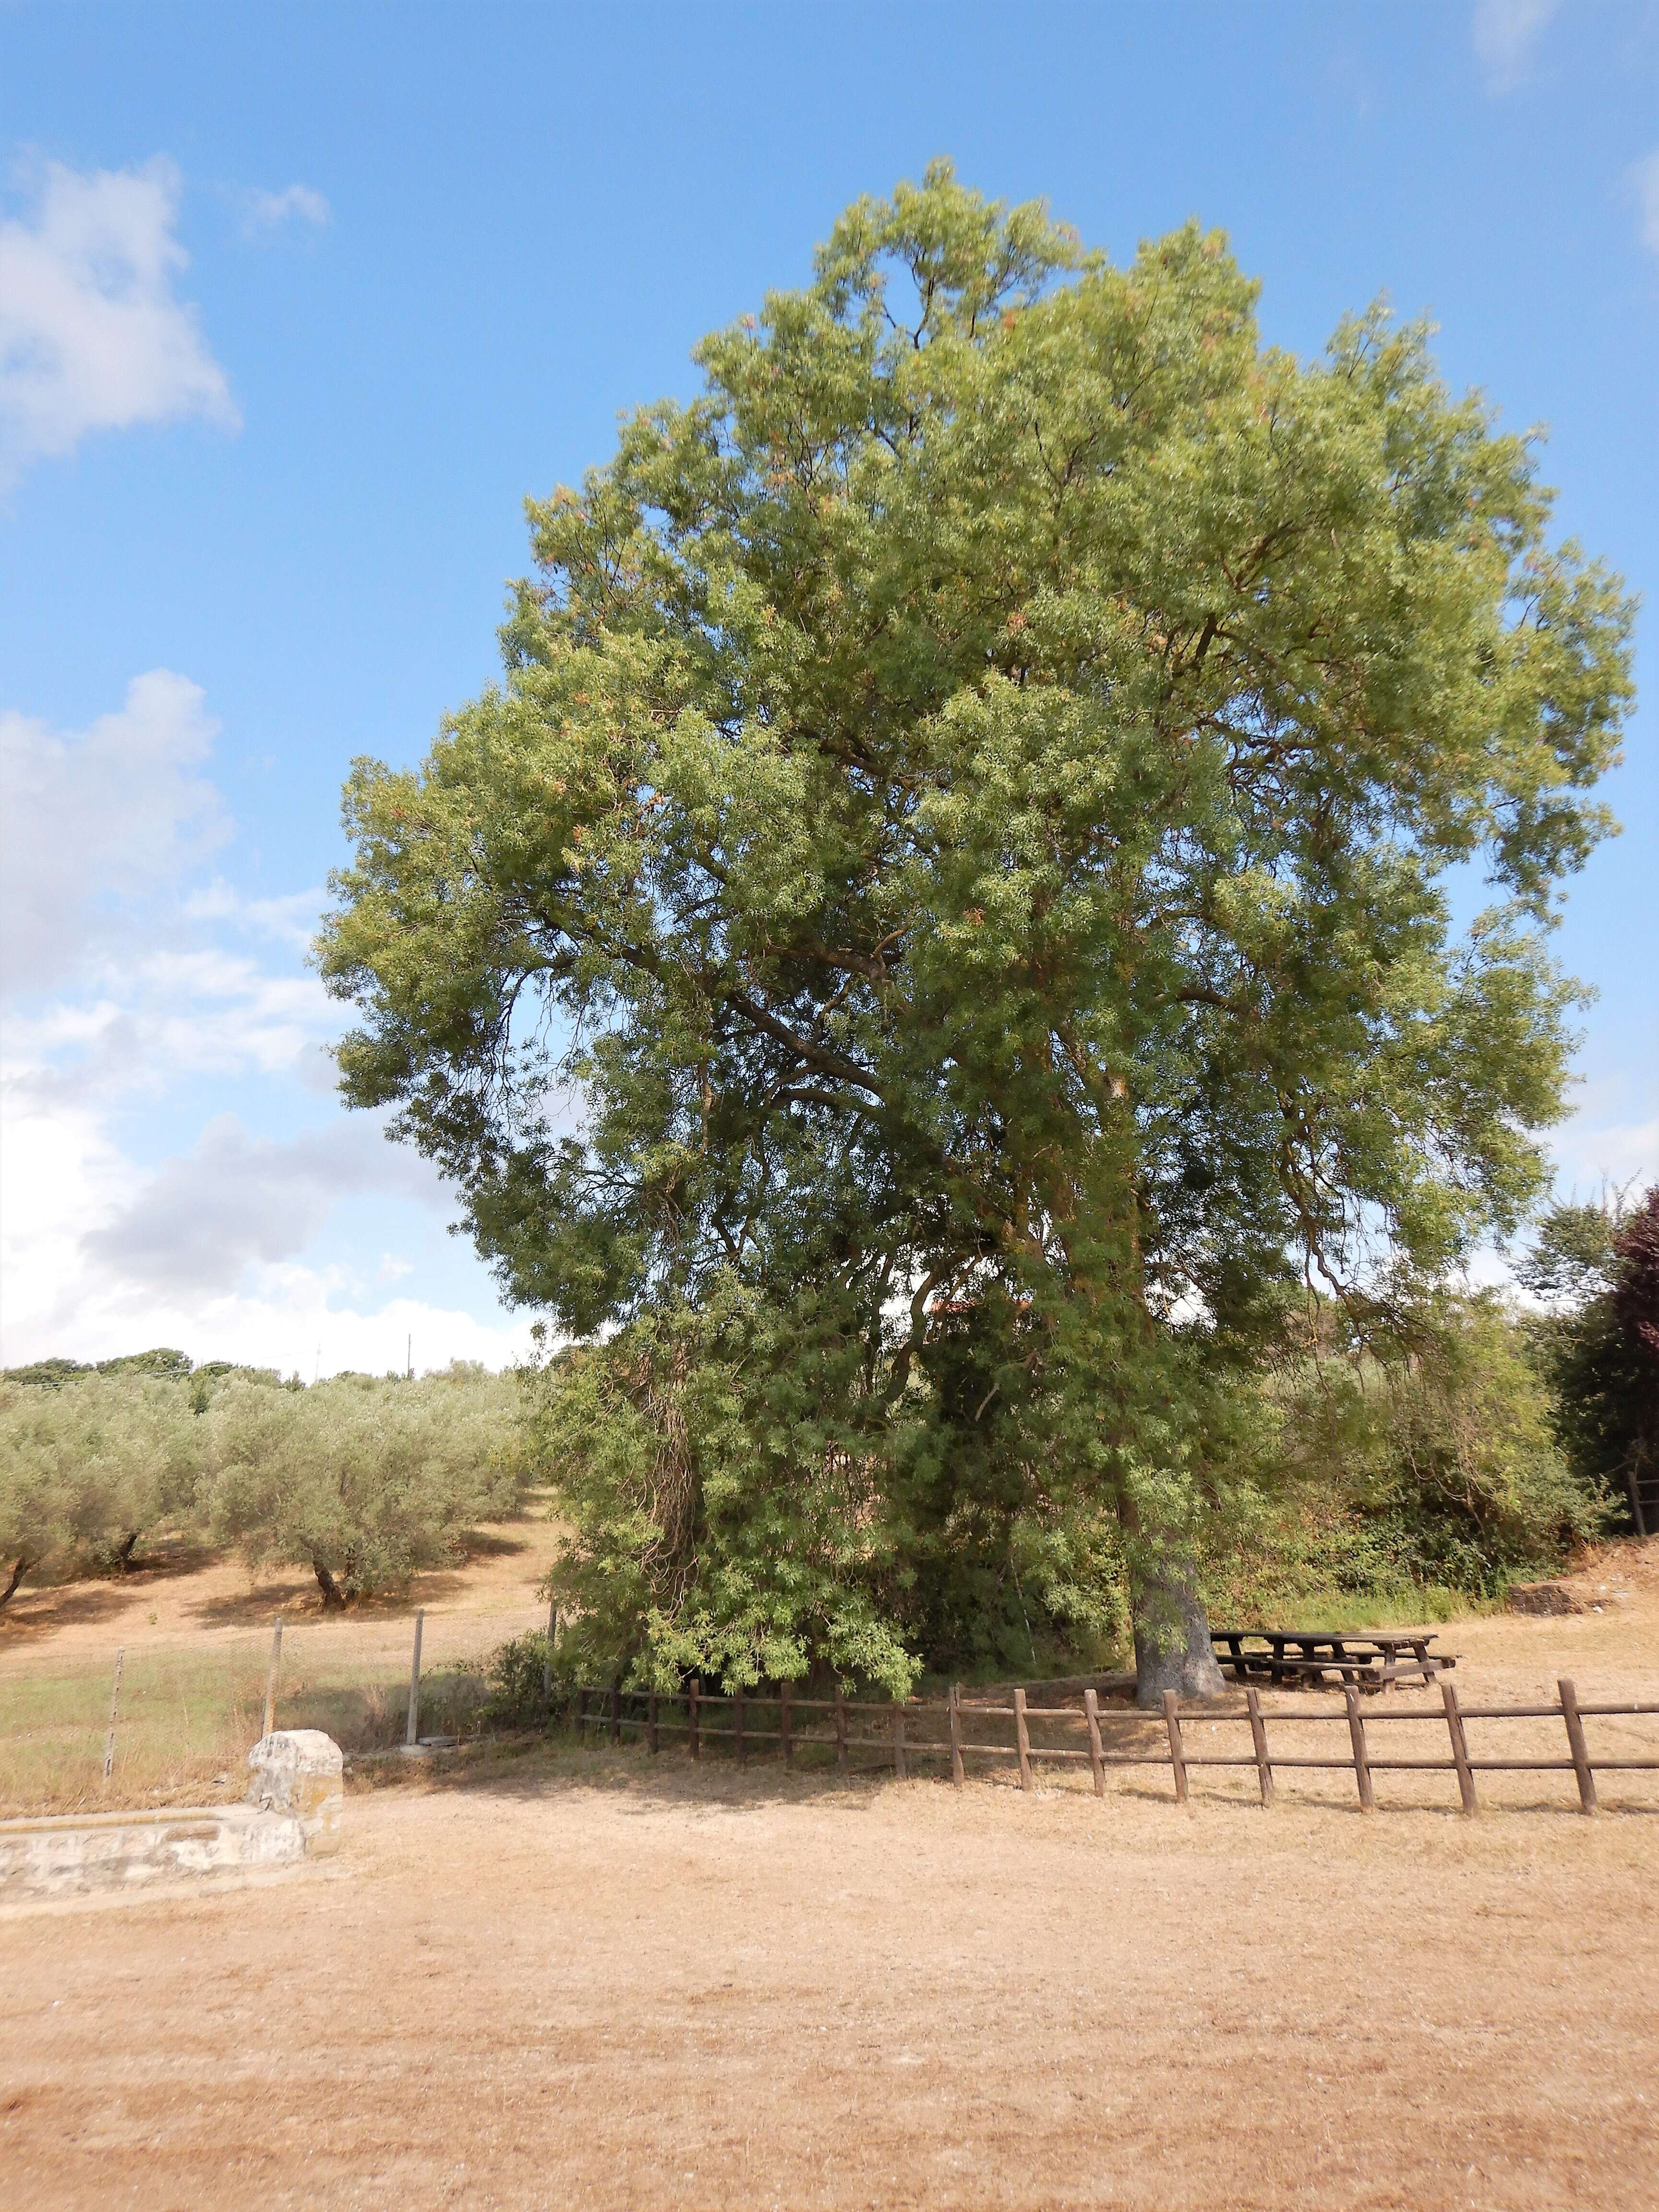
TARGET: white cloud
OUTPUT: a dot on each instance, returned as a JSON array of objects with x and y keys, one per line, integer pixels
[
  {"x": 93, "y": 335},
  {"x": 1591, "y": 1153},
  {"x": 265, "y": 211},
  {"x": 1506, "y": 34},
  {"x": 1644, "y": 175},
  {"x": 201, "y": 1221},
  {"x": 99, "y": 1260},
  {"x": 132, "y": 990},
  {"x": 291, "y": 920},
  {"x": 114, "y": 810}
]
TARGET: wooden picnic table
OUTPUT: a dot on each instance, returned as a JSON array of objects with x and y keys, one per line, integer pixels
[{"x": 1375, "y": 1659}]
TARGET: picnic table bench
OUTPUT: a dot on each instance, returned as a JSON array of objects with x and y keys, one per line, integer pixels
[{"x": 1373, "y": 1659}]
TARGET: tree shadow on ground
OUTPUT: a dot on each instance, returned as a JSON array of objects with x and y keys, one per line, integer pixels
[{"x": 36, "y": 1615}]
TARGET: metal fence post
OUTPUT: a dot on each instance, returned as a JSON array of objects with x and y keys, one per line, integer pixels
[{"x": 412, "y": 1731}]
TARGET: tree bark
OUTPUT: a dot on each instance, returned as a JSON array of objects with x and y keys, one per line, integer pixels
[
  {"x": 1173, "y": 1650},
  {"x": 20, "y": 1569},
  {"x": 332, "y": 1599},
  {"x": 124, "y": 1557}
]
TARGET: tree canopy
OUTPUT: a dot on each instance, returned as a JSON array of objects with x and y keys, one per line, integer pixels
[
  {"x": 1595, "y": 1265},
  {"x": 955, "y": 891}
]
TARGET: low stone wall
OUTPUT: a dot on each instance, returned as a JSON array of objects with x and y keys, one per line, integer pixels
[{"x": 295, "y": 1800}]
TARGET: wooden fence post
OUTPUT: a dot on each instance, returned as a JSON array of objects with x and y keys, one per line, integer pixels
[
  {"x": 547, "y": 1663},
  {"x": 692, "y": 1737},
  {"x": 1091, "y": 1714},
  {"x": 1580, "y": 1749},
  {"x": 1264, "y": 1769},
  {"x": 783, "y": 1725},
  {"x": 900, "y": 1765},
  {"x": 271, "y": 1679},
  {"x": 737, "y": 1722},
  {"x": 1023, "y": 1739},
  {"x": 581, "y": 1715},
  {"x": 1177, "y": 1755},
  {"x": 956, "y": 1734},
  {"x": 115, "y": 1700},
  {"x": 840, "y": 1729},
  {"x": 1361, "y": 1764},
  {"x": 615, "y": 1711},
  {"x": 1460, "y": 1745},
  {"x": 412, "y": 1726},
  {"x": 651, "y": 1725}
]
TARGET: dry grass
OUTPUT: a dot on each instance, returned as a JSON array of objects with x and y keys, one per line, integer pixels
[
  {"x": 196, "y": 1637},
  {"x": 550, "y": 1978}
]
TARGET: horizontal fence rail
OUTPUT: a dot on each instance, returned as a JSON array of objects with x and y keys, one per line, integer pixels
[{"x": 939, "y": 1729}]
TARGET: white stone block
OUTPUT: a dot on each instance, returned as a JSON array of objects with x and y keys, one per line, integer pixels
[{"x": 300, "y": 1772}]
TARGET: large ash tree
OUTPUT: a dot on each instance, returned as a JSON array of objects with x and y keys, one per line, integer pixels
[{"x": 942, "y": 935}]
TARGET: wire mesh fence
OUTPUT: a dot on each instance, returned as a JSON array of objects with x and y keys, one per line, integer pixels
[{"x": 158, "y": 1724}]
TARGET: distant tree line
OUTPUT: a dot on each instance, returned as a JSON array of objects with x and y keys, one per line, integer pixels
[{"x": 362, "y": 1479}]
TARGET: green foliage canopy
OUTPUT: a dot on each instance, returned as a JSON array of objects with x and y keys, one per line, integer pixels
[
  {"x": 957, "y": 867},
  {"x": 1596, "y": 1266},
  {"x": 88, "y": 1465},
  {"x": 361, "y": 1481}
]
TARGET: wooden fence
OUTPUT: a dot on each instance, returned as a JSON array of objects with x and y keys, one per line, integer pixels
[{"x": 939, "y": 1729}]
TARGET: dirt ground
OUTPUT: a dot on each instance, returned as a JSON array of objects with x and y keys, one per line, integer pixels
[
  {"x": 195, "y": 1599},
  {"x": 552, "y": 1980}
]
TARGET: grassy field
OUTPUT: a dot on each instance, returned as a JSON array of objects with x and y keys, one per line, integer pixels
[{"x": 195, "y": 1639}]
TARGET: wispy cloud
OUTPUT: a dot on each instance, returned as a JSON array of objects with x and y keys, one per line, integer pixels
[
  {"x": 140, "y": 995},
  {"x": 93, "y": 335},
  {"x": 236, "y": 1201},
  {"x": 1644, "y": 175},
  {"x": 264, "y": 212},
  {"x": 1506, "y": 34},
  {"x": 114, "y": 811}
]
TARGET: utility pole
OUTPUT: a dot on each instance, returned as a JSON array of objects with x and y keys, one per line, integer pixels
[{"x": 409, "y": 1358}]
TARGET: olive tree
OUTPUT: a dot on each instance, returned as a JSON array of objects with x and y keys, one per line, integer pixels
[
  {"x": 88, "y": 1466},
  {"x": 363, "y": 1481}
]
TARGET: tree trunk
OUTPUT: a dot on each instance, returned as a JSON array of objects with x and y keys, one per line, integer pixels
[
  {"x": 19, "y": 1571},
  {"x": 1173, "y": 1649},
  {"x": 124, "y": 1557},
  {"x": 332, "y": 1601}
]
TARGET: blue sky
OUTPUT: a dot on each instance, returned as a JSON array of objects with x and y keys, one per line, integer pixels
[{"x": 298, "y": 303}]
